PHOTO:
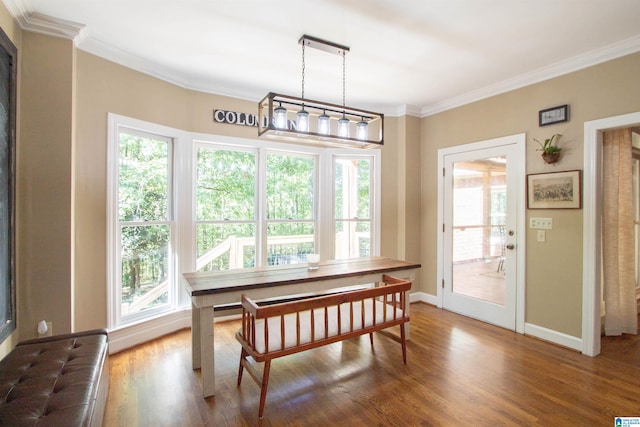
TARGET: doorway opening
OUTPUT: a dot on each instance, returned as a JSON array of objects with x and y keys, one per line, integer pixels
[{"x": 592, "y": 226}]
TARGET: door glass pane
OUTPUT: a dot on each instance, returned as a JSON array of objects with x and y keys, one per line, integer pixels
[
  {"x": 479, "y": 218},
  {"x": 145, "y": 267}
]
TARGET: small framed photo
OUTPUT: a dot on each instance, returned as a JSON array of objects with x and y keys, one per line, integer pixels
[
  {"x": 553, "y": 115},
  {"x": 555, "y": 190}
]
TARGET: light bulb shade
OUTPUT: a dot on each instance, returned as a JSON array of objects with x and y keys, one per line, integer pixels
[
  {"x": 280, "y": 117},
  {"x": 324, "y": 124},
  {"x": 302, "y": 122},
  {"x": 362, "y": 130},
  {"x": 343, "y": 127}
]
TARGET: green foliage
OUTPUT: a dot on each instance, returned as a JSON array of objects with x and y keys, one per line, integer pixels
[
  {"x": 289, "y": 187},
  {"x": 143, "y": 179},
  {"x": 225, "y": 184},
  {"x": 143, "y": 197},
  {"x": 547, "y": 147}
]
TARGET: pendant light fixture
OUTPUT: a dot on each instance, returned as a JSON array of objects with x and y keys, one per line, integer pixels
[
  {"x": 362, "y": 129},
  {"x": 324, "y": 123},
  {"x": 304, "y": 120},
  {"x": 280, "y": 117}
]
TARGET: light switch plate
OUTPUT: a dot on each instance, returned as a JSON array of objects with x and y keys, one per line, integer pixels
[
  {"x": 541, "y": 223},
  {"x": 542, "y": 236}
]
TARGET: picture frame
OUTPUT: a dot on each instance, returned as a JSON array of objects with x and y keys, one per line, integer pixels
[
  {"x": 8, "y": 85},
  {"x": 554, "y": 190},
  {"x": 553, "y": 115}
]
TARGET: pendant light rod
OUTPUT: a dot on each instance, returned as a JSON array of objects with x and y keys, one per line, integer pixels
[{"x": 327, "y": 46}]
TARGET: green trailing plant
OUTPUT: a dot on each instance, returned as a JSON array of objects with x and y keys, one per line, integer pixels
[{"x": 548, "y": 146}]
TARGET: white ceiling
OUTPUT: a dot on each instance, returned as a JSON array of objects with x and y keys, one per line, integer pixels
[{"x": 419, "y": 56}]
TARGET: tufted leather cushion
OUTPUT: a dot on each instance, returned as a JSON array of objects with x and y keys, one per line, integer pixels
[{"x": 55, "y": 381}]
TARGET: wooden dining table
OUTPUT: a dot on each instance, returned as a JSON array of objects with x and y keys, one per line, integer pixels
[{"x": 220, "y": 288}]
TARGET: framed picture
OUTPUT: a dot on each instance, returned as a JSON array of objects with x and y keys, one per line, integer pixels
[
  {"x": 555, "y": 190},
  {"x": 553, "y": 115},
  {"x": 8, "y": 76}
]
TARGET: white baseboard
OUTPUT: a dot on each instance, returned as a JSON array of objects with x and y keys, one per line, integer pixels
[
  {"x": 555, "y": 337},
  {"x": 423, "y": 297},
  {"x": 130, "y": 336}
]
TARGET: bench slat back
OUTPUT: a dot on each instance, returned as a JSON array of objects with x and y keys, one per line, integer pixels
[{"x": 390, "y": 298}]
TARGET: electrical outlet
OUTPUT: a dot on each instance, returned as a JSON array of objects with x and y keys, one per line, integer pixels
[{"x": 48, "y": 332}]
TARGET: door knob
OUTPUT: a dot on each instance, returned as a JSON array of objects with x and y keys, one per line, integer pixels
[{"x": 511, "y": 246}]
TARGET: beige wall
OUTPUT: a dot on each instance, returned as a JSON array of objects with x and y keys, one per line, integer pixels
[
  {"x": 44, "y": 182},
  {"x": 554, "y": 269}
]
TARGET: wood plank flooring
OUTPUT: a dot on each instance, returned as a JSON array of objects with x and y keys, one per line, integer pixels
[{"x": 459, "y": 372}]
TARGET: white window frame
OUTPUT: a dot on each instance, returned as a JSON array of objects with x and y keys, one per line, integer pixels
[
  {"x": 374, "y": 195},
  {"x": 198, "y": 143},
  {"x": 183, "y": 191},
  {"x": 264, "y": 221},
  {"x": 114, "y": 269}
]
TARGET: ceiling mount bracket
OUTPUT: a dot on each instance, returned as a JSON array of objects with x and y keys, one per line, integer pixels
[{"x": 326, "y": 46}]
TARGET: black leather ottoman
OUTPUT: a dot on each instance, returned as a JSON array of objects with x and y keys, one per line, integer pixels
[{"x": 56, "y": 381}]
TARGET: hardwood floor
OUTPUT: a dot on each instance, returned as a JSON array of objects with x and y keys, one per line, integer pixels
[{"x": 459, "y": 372}]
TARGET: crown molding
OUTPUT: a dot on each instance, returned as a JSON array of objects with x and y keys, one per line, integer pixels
[
  {"x": 18, "y": 8},
  {"x": 408, "y": 110},
  {"x": 22, "y": 11},
  {"x": 47, "y": 25},
  {"x": 579, "y": 62}
]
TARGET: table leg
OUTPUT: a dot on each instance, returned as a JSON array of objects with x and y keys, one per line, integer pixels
[
  {"x": 406, "y": 325},
  {"x": 195, "y": 337},
  {"x": 207, "y": 358}
]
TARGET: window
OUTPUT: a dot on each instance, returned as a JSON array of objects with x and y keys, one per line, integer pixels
[
  {"x": 180, "y": 203},
  {"x": 290, "y": 215},
  {"x": 353, "y": 181},
  {"x": 144, "y": 227},
  {"x": 225, "y": 200}
]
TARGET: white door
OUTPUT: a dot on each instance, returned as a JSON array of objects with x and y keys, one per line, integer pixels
[{"x": 481, "y": 206}]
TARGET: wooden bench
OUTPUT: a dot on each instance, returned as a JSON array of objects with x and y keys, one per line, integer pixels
[{"x": 273, "y": 331}]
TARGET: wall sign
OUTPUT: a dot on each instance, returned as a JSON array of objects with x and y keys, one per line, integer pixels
[{"x": 235, "y": 118}]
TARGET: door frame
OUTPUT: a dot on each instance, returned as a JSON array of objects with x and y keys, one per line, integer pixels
[
  {"x": 592, "y": 214},
  {"x": 519, "y": 140}
]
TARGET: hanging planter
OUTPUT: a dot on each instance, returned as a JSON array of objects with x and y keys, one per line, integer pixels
[
  {"x": 550, "y": 158},
  {"x": 550, "y": 152}
]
